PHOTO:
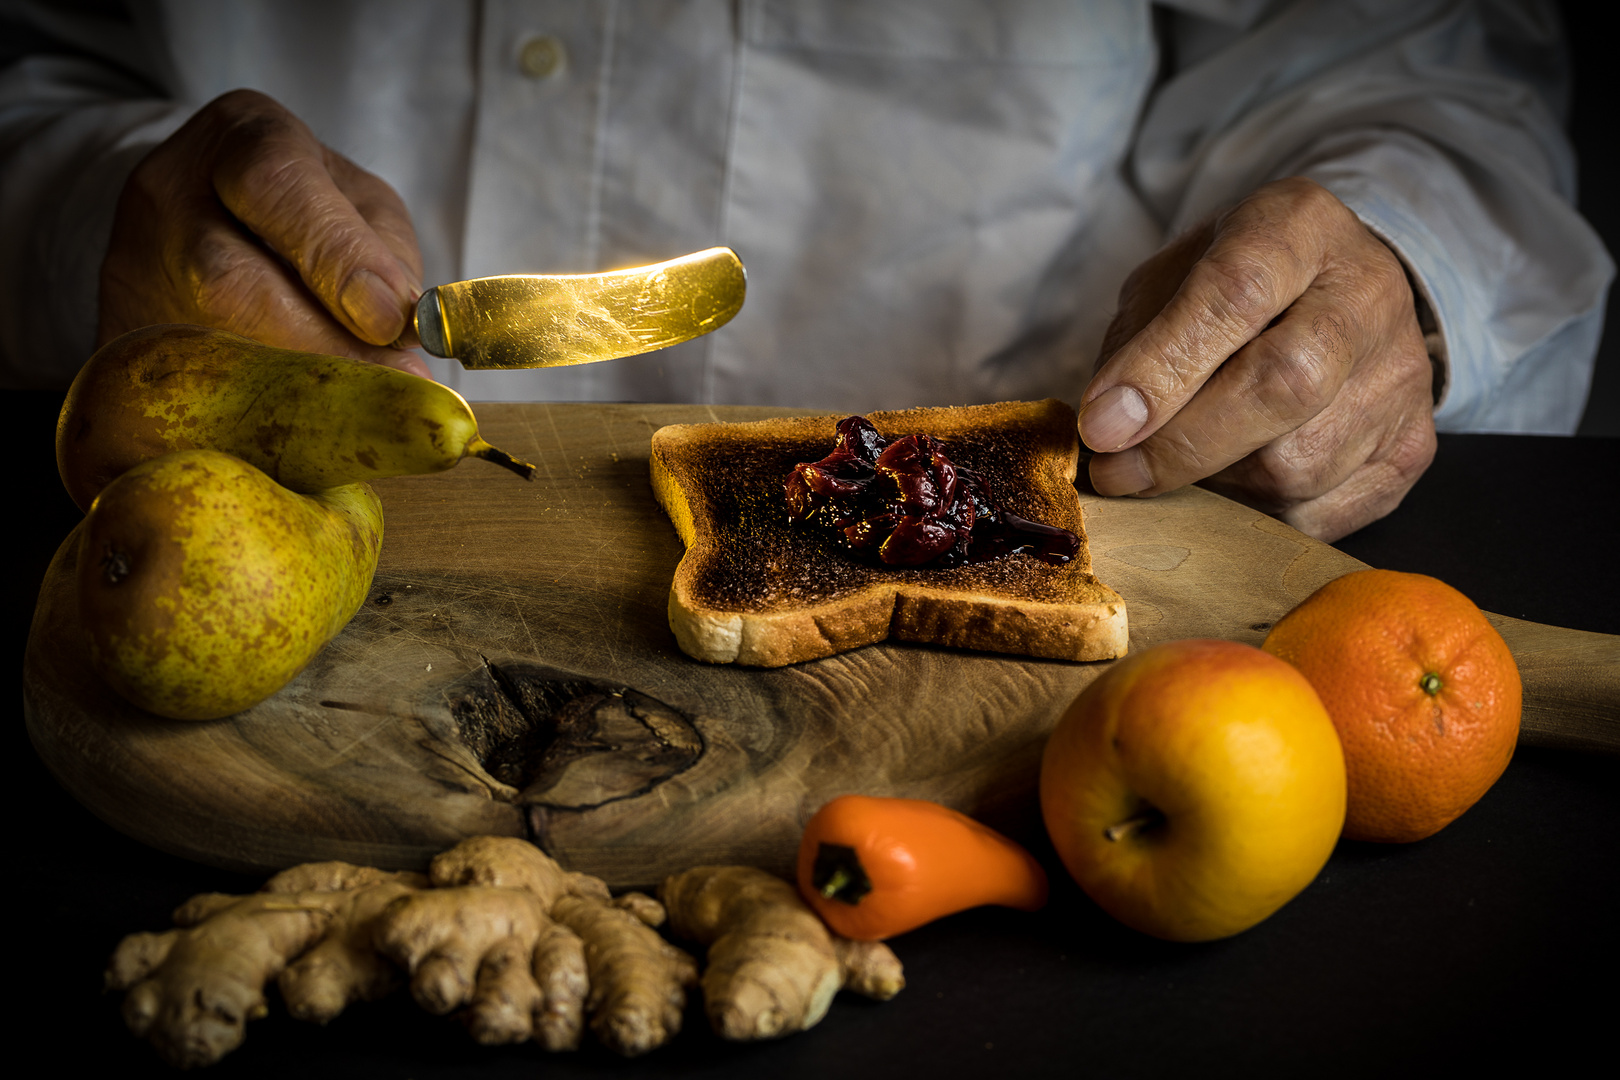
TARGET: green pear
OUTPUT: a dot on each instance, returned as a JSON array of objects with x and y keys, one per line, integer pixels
[
  {"x": 205, "y": 586},
  {"x": 309, "y": 422}
]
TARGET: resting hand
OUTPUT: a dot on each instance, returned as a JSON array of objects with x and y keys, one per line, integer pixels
[
  {"x": 242, "y": 220},
  {"x": 1274, "y": 353}
]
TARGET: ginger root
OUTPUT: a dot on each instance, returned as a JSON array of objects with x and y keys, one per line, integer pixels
[
  {"x": 500, "y": 931},
  {"x": 192, "y": 990},
  {"x": 532, "y": 948},
  {"x": 343, "y": 966},
  {"x": 773, "y": 966}
]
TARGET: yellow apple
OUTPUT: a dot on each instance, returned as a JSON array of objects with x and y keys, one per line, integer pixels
[{"x": 1194, "y": 788}]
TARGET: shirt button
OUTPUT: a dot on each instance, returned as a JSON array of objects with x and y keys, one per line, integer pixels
[{"x": 541, "y": 57}]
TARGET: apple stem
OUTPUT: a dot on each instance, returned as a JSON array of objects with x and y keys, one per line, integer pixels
[
  {"x": 115, "y": 565},
  {"x": 1130, "y": 827}
]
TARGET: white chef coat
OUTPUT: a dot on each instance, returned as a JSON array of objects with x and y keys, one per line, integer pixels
[{"x": 937, "y": 200}]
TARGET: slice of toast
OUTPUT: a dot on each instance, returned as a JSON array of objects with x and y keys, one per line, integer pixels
[{"x": 755, "y": 588}]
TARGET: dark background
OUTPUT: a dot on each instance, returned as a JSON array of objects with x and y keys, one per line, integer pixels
[{"x": 1493, "y": 943}]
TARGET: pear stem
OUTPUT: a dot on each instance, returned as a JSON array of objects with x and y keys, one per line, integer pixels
[
  {"x": 477, "y": 447},
  {"x": 1130, "y": 827}
]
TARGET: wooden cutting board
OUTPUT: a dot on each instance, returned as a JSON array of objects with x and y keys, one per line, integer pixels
[{"x": 513, "y": 672}]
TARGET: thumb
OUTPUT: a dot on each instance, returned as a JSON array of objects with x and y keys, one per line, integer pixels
[{"x": 271, "y": 173}]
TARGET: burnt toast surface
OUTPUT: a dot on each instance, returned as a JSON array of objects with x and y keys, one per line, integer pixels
[{"x": 756, "y": 588}]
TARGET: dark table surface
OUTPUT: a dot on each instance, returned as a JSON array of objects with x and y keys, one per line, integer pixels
[{"x": 1477, "y": 946}]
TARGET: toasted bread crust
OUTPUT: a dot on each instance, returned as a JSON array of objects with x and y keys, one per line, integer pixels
[{"x": 754, "y": 589}]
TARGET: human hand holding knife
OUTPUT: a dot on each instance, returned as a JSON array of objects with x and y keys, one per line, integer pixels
[{"x": 243, "y": 221}]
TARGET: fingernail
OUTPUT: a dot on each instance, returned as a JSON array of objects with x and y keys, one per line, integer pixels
[
  {"x": 1108, "y": 420},
  {"x": 1124, "y": 473},
  {"x": 376, "y": 309}
]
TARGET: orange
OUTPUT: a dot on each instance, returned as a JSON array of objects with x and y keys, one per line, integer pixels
[
  {"x": 1422, "y": 688},
  {"x": 1194, "y": 788}
]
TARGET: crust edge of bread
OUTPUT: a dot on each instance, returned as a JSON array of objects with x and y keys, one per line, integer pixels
[
  {"x": 1095, "y": 630},
  {"x": 1089, "y": 627}
]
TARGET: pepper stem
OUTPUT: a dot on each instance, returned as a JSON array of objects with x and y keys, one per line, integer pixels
[
  {"x": 477, "y": 447},
  {"x": 1431, "y": 683},
  {"x": 838, "y": 874},
  {"x": 839, "y": 879}
]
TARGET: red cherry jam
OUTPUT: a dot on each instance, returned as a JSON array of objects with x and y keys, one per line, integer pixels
[{"x": 902, "y": 502}]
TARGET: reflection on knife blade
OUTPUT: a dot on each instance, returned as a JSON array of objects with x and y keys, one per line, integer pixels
[{"x": 530, "y": 321}]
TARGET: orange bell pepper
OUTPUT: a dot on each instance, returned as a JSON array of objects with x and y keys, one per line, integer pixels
[{"x": 876, "y": 867}]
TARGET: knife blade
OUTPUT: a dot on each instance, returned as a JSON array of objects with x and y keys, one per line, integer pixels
[{"x": 553, "y": 320}]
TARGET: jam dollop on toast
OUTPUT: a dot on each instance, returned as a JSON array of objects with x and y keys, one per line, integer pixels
[
  {"x": 903, "y": 502},
  {"x": 755, "y": 587}
]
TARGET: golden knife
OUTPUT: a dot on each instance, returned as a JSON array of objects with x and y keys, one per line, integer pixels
[{"x": 552, "y": 320}]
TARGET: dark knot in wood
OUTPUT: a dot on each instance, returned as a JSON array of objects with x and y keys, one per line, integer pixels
[{"x": 570, "y": 743}]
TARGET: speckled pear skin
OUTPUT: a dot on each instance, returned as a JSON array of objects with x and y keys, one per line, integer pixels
[
  {"x": 309, "y": 422},
  {"x": 205, "y": 586}
]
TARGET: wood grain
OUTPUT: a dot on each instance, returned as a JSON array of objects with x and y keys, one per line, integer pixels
[{"x": 513, "y": 672}]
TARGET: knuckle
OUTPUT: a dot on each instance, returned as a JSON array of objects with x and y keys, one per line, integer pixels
[
  {"x": 213, "y": 256},
  {"x": 255, "y": 139},
  {"x": 1289, "y": 471},
  {"x": 328, "y": 261},
  {"x": 1274, "y": 206},
  {"x": 1323, "y": 523},
  {"x": 1308, "y": 193},
  {"x": 259, "y": 156},
  {"x": 1306, "y": 200},
  {"x": 1243, "y": 289},
  {"x": 1378, "y": 277},
  {"x": 1303, "y": 462},
  {"x": 258, "y": 145},
  {"x": 1386, "y": 272},
  {"x": 1413, "y": 448},
  {"x": 222, "y": 278},
  {"x": 1333, "y": 338},
  {"x": 1298, "y": 382}
]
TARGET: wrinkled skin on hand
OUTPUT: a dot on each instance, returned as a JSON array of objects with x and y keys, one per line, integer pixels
[
  {"x": 1274, "y": 353},
  {"x": 244, "y": 221}
]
